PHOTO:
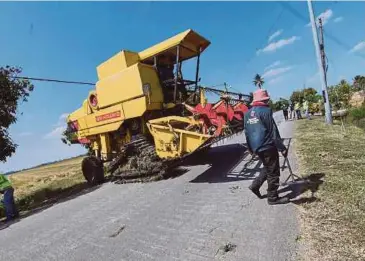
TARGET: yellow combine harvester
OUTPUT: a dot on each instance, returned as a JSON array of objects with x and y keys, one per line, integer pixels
[{"x": 139, "y": 116}]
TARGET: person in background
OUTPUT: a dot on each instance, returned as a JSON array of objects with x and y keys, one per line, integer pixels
[
  {"x": 263, "y": 139},
  {"x": 285, "y": 111},
  {"x": 306, "y": 109},
  {"x": 292, "y": 111},
  {"x": 7, "y": 190},
  {"x": 297, "y": 110}
]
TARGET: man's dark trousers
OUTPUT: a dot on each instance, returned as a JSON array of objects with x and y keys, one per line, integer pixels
[
  {"x": 270, "y": 172},
  {"x": 9, "y": 204}
]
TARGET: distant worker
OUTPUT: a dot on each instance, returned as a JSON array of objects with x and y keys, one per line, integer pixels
[
  {"x": 7, "y": 189},
  {"x": 285, "y": 111},
  {"x": 297, "y": 110},
  {"x": 292, "y": 112},
  {"x": 306, "y": 109},
  {"x": 263, "y": 139}
]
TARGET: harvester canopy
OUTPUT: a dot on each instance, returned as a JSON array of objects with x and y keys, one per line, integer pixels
[{"x": 190, "y": 44}]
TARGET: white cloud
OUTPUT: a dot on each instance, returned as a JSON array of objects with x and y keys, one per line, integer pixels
[
  {"x": 325, "y": 16},
  {"x": 275, "y": 80},
  {"x": 272, "y": 47},
  {"x": 277, "y": 63},
  {"x": 62, "y": 119},
  {"x": 276, "y": 34},
  {"x": 276, "y": 71},
  {"x": 338, "y": 19},
  {"x": 360, "y": 46},
  {"x": 55, "y": 133},
  {"x": 59, "y": 127},
  {"x": 63, "y": 116}
]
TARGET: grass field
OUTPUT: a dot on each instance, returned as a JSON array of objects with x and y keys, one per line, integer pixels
[
  {"x": 333, "y": 227},
  {"x": 35, "y": 186}
]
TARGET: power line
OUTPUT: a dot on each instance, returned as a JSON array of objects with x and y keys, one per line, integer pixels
[
  {"x": 266, "y": 36},
  {"x": 326, "y": 33},
  {"x": 51, "y": 80},
  {"x": 86, "y": 83}
]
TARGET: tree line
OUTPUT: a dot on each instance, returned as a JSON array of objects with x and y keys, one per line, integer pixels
[{"x": 339, "y": 95}]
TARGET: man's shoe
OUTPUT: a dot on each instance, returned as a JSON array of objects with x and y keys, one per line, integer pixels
[
  {"x": 283, "y": 200},
  {"x": 255, "y": 191}
]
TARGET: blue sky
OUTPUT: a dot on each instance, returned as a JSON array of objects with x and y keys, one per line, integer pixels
[{"x": 68, "y": 40}]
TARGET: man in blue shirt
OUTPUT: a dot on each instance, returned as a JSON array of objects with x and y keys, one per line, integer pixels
[{"x": 263, "y": 139}]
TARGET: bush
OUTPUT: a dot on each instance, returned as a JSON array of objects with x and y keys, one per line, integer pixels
[
  {"x": 357, "y": 116},
  {"x": 315, "y": 107}
]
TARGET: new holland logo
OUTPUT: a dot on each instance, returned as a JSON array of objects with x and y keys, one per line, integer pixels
[{"x": 108, "y": 116}]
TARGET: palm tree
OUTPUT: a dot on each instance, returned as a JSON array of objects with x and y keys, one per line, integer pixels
[{"x": 258, "y": 81}]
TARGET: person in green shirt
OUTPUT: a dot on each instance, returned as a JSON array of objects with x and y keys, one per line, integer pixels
[
  {"x": 7, "y": 190},
  {"x": 297, "y": 110},
  {"x": 306, "y": 109}
]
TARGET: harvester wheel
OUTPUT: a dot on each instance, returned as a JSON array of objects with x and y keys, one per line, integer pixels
[{"x": 93, "y": 171}]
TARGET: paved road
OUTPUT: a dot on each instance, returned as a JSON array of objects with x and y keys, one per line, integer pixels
[{"x": 186, "y": 218}]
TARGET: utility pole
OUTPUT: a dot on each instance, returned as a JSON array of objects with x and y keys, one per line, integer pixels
[
  {"x": 320, "y": 64},
  {"x": 321, "y": 49}
]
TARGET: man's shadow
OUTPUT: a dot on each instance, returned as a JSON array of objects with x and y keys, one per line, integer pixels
[
  {"x": 310, "y": 183},
  {"x": 224, "y": 165}
]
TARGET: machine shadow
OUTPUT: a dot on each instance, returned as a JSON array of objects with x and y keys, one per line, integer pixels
[{"x": 225, "y": 165}]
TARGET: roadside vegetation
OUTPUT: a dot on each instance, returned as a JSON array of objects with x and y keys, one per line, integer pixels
[
  {"x": 333, "y": 226},
  {"x": 39, "y": 186}
]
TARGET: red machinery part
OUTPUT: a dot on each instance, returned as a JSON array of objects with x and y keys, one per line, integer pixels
[
  {"x": 84, "y": 141},
  {"x": 239, "y": 110},
  {"x": 216, "y": 115},
  {"x": 224, "y": 109}
]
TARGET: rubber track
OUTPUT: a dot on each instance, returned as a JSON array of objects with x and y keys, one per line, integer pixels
[{"x": 138, "y": 161}]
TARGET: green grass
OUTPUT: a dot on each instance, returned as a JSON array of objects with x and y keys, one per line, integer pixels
[
  {"x": 36, "y": 187},
  {"x": 333, "y": 227}
]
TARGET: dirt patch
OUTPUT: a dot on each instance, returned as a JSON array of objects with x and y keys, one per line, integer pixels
[
  {"x": 224, "y": 249},
  {"x": 115, "y": 234}
]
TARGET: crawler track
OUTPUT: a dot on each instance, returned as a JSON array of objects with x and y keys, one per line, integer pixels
[{"x": 138, "y": 161}]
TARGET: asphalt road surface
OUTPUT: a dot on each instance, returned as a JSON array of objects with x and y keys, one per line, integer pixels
[{"x": 207, "y": 213}]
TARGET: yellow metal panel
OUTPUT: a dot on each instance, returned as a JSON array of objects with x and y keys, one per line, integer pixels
[
  {"x": 131, "y": 58},
  {"x": 134, "y": 108},
  {"x": 120, "y": 87},
  {"x": 103, "y": 121},
  {"x": 76, "y": 114},
  {"x": 188, "y": 37},
  {"x": 112, "y": 114},
  {"x": 172, "y": 141},
  {"x": 149, "y": 76},
  {"x": 105, "y": 146},
  {"x": 116, "y": 63},
  {"x": 101, "y": 129}
]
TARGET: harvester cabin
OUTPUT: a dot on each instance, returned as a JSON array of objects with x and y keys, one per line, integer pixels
[{"x": 167, "y": 57}]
